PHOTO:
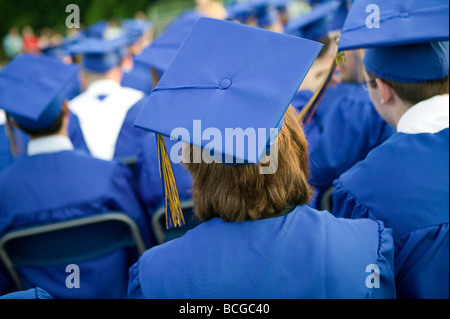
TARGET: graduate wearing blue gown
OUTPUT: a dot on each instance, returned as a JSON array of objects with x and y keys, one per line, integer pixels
[
  {"x": 343, "y": 130},
  {"x": 75, "y": 133},
  {"x": 345, "y": 125},
  {"x": 103, "y": 106},
  {"x": 405, "y": 181},
  {"x": 6, "y": 157},
  {"x": 139, "y": 76},
  {"x": 53, "y": 182},
  {"x": 265, "y": 259},
  {"x": 248, "y": 246}
]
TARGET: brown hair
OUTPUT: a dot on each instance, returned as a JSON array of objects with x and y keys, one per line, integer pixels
[
  {"x": 414, "y": 93},
  {"x": 240, "y": 192}
]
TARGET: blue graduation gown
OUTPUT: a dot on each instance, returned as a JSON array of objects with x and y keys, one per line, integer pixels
[
  {"x": 130, "y": 139},
  {"x": 304, "y": 254},
  {"x": 151, "y": 186},
  {"x": 60, "y": 186},
  {"x": 405, "y": 183},
  {"x": 138, "y": 78},
  {"x": 33, "y": 293},
  {"x": 76, "y": 134},
  {"x": 343, "y": 130},
  {"x": 6, "y": 158}
]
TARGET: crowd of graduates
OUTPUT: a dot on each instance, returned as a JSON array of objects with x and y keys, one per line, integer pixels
[{"x": 358, "y": 202}]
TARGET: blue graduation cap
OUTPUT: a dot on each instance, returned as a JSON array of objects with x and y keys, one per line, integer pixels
[
  {"x": 164, "y": 48},
  {"x": 409, "y": 45},
  {"x": 137, "y": 24},
  {"x": 97, "y": 30},
  {"x": 240, "y": 11},
  {"x": 265, "y": 12},
  {"x": 32, "y": 89},
  {"x": 322, "y": 19},
  {"x": 135, "y": 28},
  {"x": 281, "y": 5},
  {"x": 229, "y": 77},
  {"x": 101, "y": 55},
  {"x": 56, "y": 51}
]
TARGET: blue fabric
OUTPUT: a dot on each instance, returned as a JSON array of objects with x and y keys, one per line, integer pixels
[
  {"x": 76, "y": 134},
  {"x": 33, "y": 293},
  {"x": 163, "y": 49},
  {"x": 401, "y": 23},
  {"x": 417, "y": 63},
  {"x": 101, "y": 55},
  {"x": 211, "y": 80},
  {"x": 405, "y": 183},
  {"x": 55, "y": 187},
  {"x": 151, "y": 186},
  {"x": 139, "y": 78},
  {"x": 344, "y": 129},
  {"x": 322, "y": 19},
  {"x": 305, "y": 254},
  {"x": 130, "y": 139},
  {"x": 32, "y": 89},
  {"x": 74, "y": 131},
  {"x": 6, "y": 157}
]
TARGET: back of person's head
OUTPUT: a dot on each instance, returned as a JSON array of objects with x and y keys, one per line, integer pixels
[
  {"x": 102, "y": 58},
  {"x": 414, "y": 93},
  {"x": 33, "y": 93},
  {"x": 52, "y": 129},
  {"x": 240, "y": 192}
]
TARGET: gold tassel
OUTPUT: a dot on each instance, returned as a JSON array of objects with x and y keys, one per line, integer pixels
[
  {"x": 11, "y": 136},
  {"x": 174, "y": 217},
  {"x": 308, "y": 111}
]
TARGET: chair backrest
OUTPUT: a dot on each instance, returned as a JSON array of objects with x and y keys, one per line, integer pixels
[
  {"x": 131, "y": 163},
  {"x": 68, "y": 242},
  {"x": 163, "y": 234}
]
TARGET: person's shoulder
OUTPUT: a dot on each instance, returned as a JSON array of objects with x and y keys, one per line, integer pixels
[
  {"x": 334, "y": 225},
  {"x": 85, "y": 162},
  {"x": 136, "y": 95}
]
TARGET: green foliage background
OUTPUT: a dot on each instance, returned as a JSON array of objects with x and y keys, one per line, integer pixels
[{"x": 52, "y": 13}]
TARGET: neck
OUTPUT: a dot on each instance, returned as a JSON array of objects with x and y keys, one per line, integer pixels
[
  {"x": 62, "y": 132},
  {"x": 114, "y": 75},
  {"x": 398, "y": 112}
]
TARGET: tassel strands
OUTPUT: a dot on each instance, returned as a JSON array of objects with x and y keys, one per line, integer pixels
[
  {"x": 308, "y": 111},
  {"x": 174, "y": 213}
]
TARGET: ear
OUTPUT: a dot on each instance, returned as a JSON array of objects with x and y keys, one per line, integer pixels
[{"x": 386, "y": 92}]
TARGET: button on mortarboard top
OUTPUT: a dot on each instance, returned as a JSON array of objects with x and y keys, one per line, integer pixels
[
  {"x": 409, "y": 45},
  {"x": 225, "y": 84},
  {"x": 31, "y": 89}
]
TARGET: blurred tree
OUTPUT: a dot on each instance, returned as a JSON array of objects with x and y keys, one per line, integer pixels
[{"x": 50, "y": 13}]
